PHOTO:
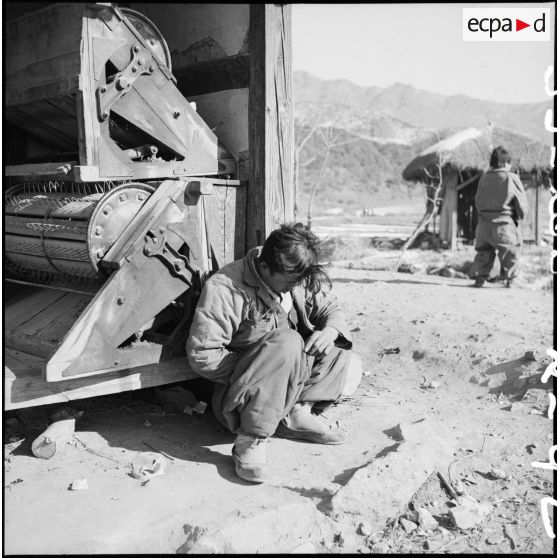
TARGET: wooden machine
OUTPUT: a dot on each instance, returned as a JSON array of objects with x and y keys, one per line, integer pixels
[{"x": 113, "y": 193}]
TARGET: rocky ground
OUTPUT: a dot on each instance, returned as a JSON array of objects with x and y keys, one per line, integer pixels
[{"x": 441, "y": 433}]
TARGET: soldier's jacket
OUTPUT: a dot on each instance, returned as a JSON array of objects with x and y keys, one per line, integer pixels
[
  {"x": 500, "y": 197},
  {"x": 236, "y": 309}
]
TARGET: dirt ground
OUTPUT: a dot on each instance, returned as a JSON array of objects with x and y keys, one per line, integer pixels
[{"x": 433, "y": 348}]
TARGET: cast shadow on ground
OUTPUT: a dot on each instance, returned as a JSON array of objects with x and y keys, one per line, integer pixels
[
  {"x": 513, "y": 369},
  {"x": 182, "y": 437},
  {"x": 396, "y": 281}
]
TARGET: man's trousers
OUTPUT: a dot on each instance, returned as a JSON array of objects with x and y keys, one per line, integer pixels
[
  {"x": 492, "y": 237},
  {"x": 273, "y": 375}
]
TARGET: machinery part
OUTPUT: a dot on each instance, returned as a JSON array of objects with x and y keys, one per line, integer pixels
[
  {"x": 97, "y": 91},
  {"x": 63, "y": 234},
  {"x": 107, "y": 94},
  {"x": 111, "y": 216},
  {"x": 152, "y": 36},
  {"x": 140, "y": 288}
]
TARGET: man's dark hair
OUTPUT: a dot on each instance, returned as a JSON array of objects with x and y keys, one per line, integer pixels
[
  {"x": 499, "y": 158},
  {"x": 293, "y": 248}
]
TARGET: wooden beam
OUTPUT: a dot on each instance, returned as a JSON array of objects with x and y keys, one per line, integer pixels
[
  {"x": 232, "y": 72},
  {"x": 270, "y": 195},
  {"x": 24, "y": 385}
]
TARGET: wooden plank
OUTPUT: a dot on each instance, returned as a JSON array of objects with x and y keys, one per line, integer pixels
[
  {"x": 54, "y": 320},
  {"x": 232, "y": 72},
  {"x": 29, "y": 304},
  {"x": 29, "y": 344},
  {"x": 25, "y": 387},
  {"x": 270, "y": 195}
]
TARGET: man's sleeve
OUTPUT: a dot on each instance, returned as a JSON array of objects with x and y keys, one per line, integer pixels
[
  {"x": 326, "y": 311},
  {"x": 520, "y": 203},
  {"x": 216, "y": 319}
]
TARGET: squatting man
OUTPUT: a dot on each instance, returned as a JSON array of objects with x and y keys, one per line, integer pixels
[{"x": 270, "y": 333}]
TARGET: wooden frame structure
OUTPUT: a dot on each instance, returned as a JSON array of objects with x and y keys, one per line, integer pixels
[{"x": 234, "y": 62}]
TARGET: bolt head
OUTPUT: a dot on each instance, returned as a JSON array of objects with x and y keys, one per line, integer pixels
[
  {"x": 151, "y": 68},
  {"x": 134, "y": 69},
  {"x": 103, "y": 89},
  {"x": 104, "y": 115},
  {"x": 136, "y": 48}
]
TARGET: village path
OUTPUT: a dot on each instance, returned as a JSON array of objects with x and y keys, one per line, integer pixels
[{"x": 436, "y": 352}]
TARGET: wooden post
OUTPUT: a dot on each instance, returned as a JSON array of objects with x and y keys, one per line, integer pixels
[
  {"x": 537, "y": 234},
  {"x": 270, "y": 190}
]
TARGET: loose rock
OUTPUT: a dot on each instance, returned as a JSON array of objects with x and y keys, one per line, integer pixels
[
  {"x": 425, "y": 520},
  {"x": 498, "y": 474},
  {"x": 80, "y": 484},
  {"x": 536, "y": 399},
  {"x": 407, "y": 525}
]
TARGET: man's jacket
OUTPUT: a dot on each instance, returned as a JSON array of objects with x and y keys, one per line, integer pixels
[
  {"x": 501, "y": 197},
  {"x": 236, "y": 309}
]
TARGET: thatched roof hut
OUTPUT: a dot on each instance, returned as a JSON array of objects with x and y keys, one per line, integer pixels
[
  {"x": 463, "y": 157},
  {"x": 471, "y": 149}
]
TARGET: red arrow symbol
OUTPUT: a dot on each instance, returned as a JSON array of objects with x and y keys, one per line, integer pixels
[{"x": 519, "y": 25}]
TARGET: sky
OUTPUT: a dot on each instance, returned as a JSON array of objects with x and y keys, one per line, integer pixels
[{"x": 419, "y": 44}]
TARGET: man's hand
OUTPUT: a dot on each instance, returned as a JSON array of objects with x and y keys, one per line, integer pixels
[{"x": 321, "y": 342}]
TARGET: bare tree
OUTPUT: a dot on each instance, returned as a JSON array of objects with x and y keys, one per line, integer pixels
[
  {"x": 300, "y": 142},
  {"x": 433, "y": 200},
  {"x": 330, "y": 139}
]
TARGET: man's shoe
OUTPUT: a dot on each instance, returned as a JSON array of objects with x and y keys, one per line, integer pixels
[
  {"x": 479, "y": 282},
  {"x": 249, "y": 457},
  {"x": 301, "y": 424},
  {"x": 509, "y": 283}
]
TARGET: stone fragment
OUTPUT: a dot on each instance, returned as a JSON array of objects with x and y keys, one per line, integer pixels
[
  {"x": 80, "y": 484},
  {"x": 536, "y": 399},
  {"x": 426, "y": 520},
  {"x": 463, "y": 518},
  {"x": 498, "y": 474},
  {"x": 407, "y": 525},
  {"x": 469, "y": 512}
]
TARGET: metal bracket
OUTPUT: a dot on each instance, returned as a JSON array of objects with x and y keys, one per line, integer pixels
[
  {"x": 107, "y": 94},
  {"x": 156, "y": 245}
]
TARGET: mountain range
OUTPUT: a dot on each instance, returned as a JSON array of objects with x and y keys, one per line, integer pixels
[{"x": 375, "y": 132}]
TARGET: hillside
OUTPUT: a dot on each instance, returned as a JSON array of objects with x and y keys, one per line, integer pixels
[{"x": 381, "y": 130}]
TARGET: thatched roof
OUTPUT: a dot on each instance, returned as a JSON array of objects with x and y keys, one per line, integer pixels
[{"x": 471, "y": 149}]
